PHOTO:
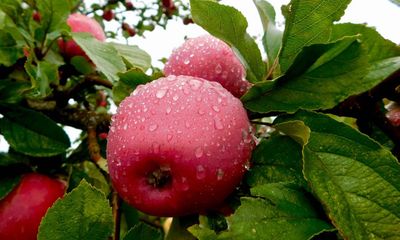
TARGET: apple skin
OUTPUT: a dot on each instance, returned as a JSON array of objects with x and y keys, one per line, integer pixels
[
  {"x": 23, "y": 208},
  {"x": 191, "y": 132},
  {"x": 209, "y": 58},
  {"x": 80, "y": 23}
]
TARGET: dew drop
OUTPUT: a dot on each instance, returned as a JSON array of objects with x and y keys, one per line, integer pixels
[
  {"x": 125, "y": 126},
  {"x": 112, "y": 129},
  {"x": 186, "y": 61},
  {"x": 220, "y": 174},
  {"x": 169, "y": 137},
  {"x": 153, "y": 127},
  {"x": 200, "y": 173},
  {"x": 215, "y": 108},
  {"x": 184, "y": 184},
  {"x": 156, "y": 148},
  {"x": 161, "y": 93},
  {"x": 198, "y": 152},
  {"x": 175, "y": 97},
  {"x": 201, "y": 112},
  {"x": 195, "y": 84},
  {"x": 187, "y": 124},
  {"x": 168, "y": 109},
  {"x": 218, "y": 123},
  {"x": 218, "y": 69}
]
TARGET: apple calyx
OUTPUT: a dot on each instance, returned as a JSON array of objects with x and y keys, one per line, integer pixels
[{"x": 160, "y": 177}]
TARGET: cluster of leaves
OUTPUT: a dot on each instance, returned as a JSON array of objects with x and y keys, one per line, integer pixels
[{"x": 325, "y": 167}]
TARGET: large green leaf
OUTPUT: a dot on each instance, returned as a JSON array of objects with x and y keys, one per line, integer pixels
[
  {"x": 136, "y": 57},
  {"x": 278, "y": 159},
  {"x": 82, "y": 214},
  {"x": 12, "y": 8},
  {"x": 272, "y": 39},
  {"x": 355, "y": 178},
  {"x": 277, "y": 211},
  {"x": 322, "y": 76},
  {"x": 307, "y": 23},
  {"x": 32, "y": 133},
  {"x": 54, "y": 14},
  {"x": 230, "y": 25},
  {"x": 10, "y": 52},
  {"x": 104, "y": 55},
  {"x": 12, "y": 91}
]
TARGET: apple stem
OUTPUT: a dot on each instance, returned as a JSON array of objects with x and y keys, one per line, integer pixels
[
  {"x": 160, "y": 177},
  {"x": 116, "y": 202}
]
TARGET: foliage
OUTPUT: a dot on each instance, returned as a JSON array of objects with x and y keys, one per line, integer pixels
[{"x": 327, "y": 161}]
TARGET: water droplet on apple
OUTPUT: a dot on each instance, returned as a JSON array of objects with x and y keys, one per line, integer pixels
[
  {"x": 125, "y": 126},
  {"x": 175, "y": 97},
  {"x": 168, "y": 110},
  {"x": 218, "y": 69},
  {"x": 186, "y": 61},
  {"x": 215, "y": 108},
  {"x": 195, "y": 84},
  {"x": 201, "y": 112},
  {"x": 220, "y": 174},
  {"x": 169, "y": 137},
  {"x": 200, "y": 173},
  {"x": 161, "y": 93},
  {"x": 218, "y": 124},
  {"x": 153, "y": 127},
  {"x": 198, "y": 152},
  {"x": 156, "y": 148},
  {"x": 171, "y": 78}
]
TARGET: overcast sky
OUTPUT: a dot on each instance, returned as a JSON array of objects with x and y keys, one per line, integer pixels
[{"x": 381, "y": 14}]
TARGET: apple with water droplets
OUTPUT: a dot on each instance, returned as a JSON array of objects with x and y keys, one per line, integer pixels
[
  {"x": 22, "y": 210},
  {"x": 209, "y": 58},
  {"x": 178, "y": 145},
  {"x": 80, "y": 23}
]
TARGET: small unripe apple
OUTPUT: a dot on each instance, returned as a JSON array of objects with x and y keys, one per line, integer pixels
[
  {"x": 108, "y": 15},
  {"x": 394, "y": 115},
  {"x": 24, "y": 207},
  {"x": 178, "y": 145},
  {"x": 80, "y": 23},
  {"x": 209, "y": 58}
]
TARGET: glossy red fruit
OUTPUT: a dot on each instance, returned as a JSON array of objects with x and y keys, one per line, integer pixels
[
  {"x": 209, "y": 58},
  {"x": 178, "y": 145},
  {"x": 108, "y": 15},
  {"x": 22, "y": 210},
  {"x": 80, "y": 23},
  {"x": 129, "y": 6}
]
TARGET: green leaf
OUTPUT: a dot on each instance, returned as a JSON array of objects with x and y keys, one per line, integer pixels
[
  {"x": 32, "y": 133},
  {"x": 103, "y": 55},
  {"x": 54, "y": 14},
  {"x": 278, "y": 159},
  {"x": 279, "y": 211},
  {"x": 12, "y": 8},
  {"x": 378, "y": 48},
  {"x": 10, "y": 52},
  {"x": 307, "y": 23},
  {"x": 42, "y": 74},
  {"x": 12, "y": 91},
  {"x": 128, "y": 82},
  {"x": 143, "y": 231},
  {"x": 82, "y": 214},
  {"x": 272, "y": 39},
  {"x": 91, "y": 173},
  {"x": 7, "y": 184},
  {"x": 322, "y": 76},
  {"x": 230, "y": 25},
  {"x": 203, "y": 233},
  {"x": 296, "y": 130},
  {"x": 355, "y": 178},
  {"x": 136, "y": 57}
]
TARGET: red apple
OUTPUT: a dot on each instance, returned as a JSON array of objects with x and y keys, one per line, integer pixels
[
  {"x": 22, "y": 210},
  {"x": 36, "y": 16},
  {"x": 178, "y": 145},
  {"x": 209, "y": 58},
  {"x": 80, "y": 23}
]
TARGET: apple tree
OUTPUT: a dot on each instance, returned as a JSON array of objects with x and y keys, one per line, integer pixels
[{"x": 222, "y": 143}]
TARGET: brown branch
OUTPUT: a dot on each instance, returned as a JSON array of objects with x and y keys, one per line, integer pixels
[
  {"x": 116, "y": 204},
  {"x": 93, "y": 144}
]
